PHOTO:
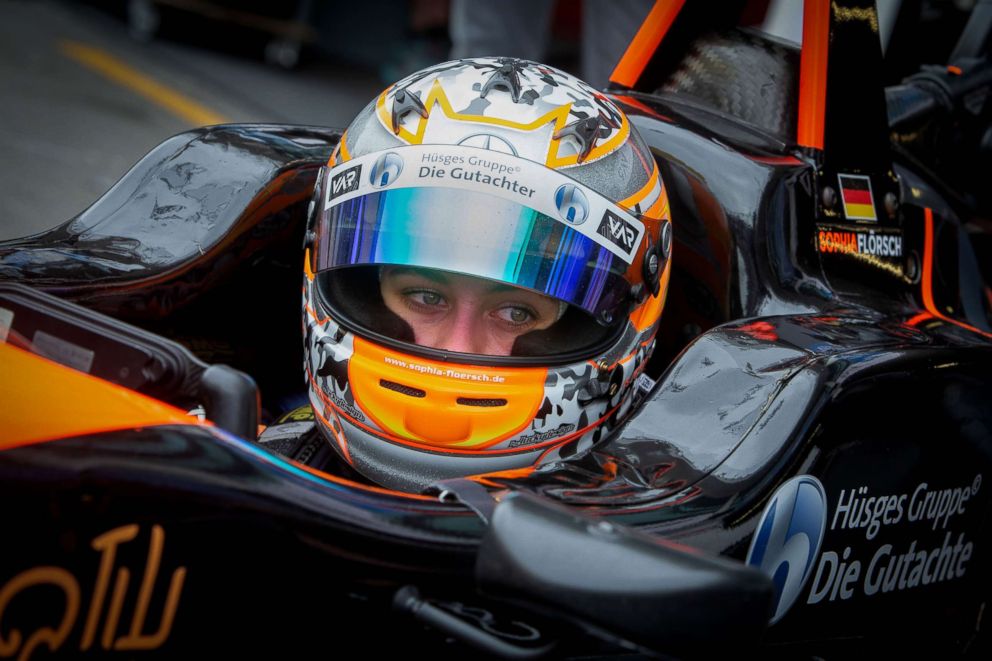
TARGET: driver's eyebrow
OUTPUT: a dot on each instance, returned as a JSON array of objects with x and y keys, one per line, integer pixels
[
  {"x": 442, "y": 279},
  {"x": 430, "y": 274}
]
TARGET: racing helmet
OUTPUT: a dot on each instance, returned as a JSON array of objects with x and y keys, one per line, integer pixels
[{"x": 511, "y": 181}]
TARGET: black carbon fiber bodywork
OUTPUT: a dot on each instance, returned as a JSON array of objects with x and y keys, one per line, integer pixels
[{"x": 780, "y": 358}]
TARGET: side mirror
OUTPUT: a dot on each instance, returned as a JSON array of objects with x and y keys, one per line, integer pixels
[{"x": 128, "y": 356}]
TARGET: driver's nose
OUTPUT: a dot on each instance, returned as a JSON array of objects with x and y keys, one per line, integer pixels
[{"x": 465, "y": 331}]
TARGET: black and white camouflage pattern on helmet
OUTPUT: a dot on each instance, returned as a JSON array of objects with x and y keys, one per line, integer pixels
[{"x": 559, "y": 121}]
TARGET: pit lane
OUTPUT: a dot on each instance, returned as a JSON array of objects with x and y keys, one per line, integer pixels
[{"x": 83, "y": 101}]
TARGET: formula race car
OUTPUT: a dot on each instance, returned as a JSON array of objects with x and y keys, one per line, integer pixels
[{"x": 804, "y": 471}]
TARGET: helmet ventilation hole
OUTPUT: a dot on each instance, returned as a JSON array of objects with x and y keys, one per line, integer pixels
[
  {"x": 471, "y": 401},
  {"x": 409, "y": 391}
]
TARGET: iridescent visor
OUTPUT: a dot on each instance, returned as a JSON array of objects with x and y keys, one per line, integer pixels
[{"x": 475, "y": 233}]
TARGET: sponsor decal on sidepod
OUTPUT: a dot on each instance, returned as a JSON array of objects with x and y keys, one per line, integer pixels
[
  {"x": 926, "y": 560},
  {"x": 787, "y": 540}
]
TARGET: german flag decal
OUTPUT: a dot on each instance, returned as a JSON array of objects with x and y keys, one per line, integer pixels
[{"x": 855, "y": 190}]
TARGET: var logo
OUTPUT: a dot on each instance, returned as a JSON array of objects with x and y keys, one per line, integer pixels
[
  {"x": 346, "y": 181},
  {"x": 787, "y": 540},
  {"x": 618, "y": 230}
]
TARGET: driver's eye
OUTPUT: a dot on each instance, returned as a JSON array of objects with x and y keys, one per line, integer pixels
[
  {"x": 424, "y": 297},
  {"x": 515, "y": 315}
]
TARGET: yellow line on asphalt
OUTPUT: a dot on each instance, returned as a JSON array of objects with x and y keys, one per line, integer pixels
[{"x": 106, "y": 64}]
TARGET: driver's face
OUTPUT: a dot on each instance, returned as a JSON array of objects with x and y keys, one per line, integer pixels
[{"x": 461, "y": 313}]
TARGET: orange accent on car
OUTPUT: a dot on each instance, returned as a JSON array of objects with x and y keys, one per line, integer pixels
[
  {"x": 508, "y": 474},
  {"x": 760, "y": 330},
  {"x": 359, "y": 485},
  {"x": 813, "y": 73},
  {"x": 440, "y": 404},
  {"x": 646, "y": 42},
  {"x": 775, "y": 160},
  {"x": 635, "y": 103},
  {"x": 921, "y": 317},
  {"x": 43, "y": 400},
  {"x": 927, "y": 281},
  {"x": 955, "y": 70}
]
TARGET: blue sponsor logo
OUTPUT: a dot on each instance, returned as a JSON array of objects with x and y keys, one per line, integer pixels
[
  {"x": 386, "y": 170},
  {"x": 787, "y": 540},
  {"x": 572, "y": 204}
]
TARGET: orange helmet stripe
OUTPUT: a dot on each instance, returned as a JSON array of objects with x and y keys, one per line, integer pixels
[
  {"x": 644, "y": 191},
  {"x": 660, "y": 207}
]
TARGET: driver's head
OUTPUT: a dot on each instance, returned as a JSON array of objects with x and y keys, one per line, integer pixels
[{"x": 487, "y": 263}]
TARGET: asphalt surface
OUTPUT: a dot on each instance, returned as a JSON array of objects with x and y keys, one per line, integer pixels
[{"x": 82, "y": 101}]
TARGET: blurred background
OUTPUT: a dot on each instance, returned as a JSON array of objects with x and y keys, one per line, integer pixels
[{"x": 89, "y": 86}]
